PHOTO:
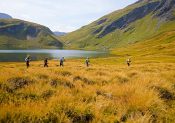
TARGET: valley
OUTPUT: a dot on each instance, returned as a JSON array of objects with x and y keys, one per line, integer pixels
[{"x": 108, "y": 91}]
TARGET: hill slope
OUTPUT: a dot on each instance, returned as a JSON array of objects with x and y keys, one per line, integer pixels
[
  {"x": 5, "y": 16},
  {"x": 57, "y": 33},
  {"x": 137, "y": 22},
  {"x": 19, "y": 34}
]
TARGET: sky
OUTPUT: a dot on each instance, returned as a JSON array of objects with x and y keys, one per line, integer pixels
[{"x": 61, "y": 15}]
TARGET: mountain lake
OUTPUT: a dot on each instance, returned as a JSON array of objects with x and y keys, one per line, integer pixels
[{"x": 20, "y": 55}]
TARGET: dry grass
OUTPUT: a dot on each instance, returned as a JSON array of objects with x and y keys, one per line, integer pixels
[{"x": 105, "y": 92}]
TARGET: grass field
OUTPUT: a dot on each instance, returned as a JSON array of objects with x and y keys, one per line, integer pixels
[{"x": 108, "y": 91}]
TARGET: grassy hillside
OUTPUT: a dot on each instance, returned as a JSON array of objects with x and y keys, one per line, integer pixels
[
  {"x": 160, "y": 45},
  {"x": 18, "y": 34},
  {"x": 108, "y": 91},
  {"x": 101, "y": 35}
]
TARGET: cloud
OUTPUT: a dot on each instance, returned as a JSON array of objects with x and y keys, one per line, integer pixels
[{"x": 62, "y": 15}]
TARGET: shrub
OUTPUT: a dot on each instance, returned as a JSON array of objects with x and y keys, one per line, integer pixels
[
  {"x": 164, "y": 93},
  {"x": 54, "y": 82},
  {"x": 47, "y": 94},
  {"x": 83, "y": 79},
  {"x": 80, "y": 117},
  {"x": 65, "y": 83},
  {"x": 19, "y": 82}
]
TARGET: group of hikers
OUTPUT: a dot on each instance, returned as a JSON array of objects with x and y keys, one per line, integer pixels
[
  {"x": 87, "y": 61},
  {"x": 28, "y": 59}
]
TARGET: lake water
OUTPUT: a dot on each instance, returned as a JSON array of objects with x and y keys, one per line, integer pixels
[{"x": 19, "y": 55}]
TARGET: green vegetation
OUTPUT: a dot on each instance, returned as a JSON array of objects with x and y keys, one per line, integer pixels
[
  {"x": 18, "y": 34},
  {"x": 160, "y": 45},
  {"x": 140, "y": 30}
]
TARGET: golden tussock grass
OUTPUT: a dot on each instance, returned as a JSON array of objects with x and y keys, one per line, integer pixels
[{"x": 107, "y": 91}]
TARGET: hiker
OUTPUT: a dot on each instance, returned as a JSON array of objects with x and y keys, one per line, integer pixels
[
  {"x": 87, "y": 62},
  {"x": 128, "y": 61},
  {"x": 46, "y": 62},
  {"x": 27, "y": 60},
  {"x": 62, "y": 61}
]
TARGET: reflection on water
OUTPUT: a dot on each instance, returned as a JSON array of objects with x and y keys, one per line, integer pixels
[{"x": 19, "y": 55}]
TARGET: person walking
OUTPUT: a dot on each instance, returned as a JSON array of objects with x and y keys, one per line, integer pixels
[
  {"x": 62, "y": 61},
  {"x": 128, "y": 61},
  {"x": 87, "y": 61},
  {"x": 27, "y": 60},
  {"x": 46, "y": 62}
]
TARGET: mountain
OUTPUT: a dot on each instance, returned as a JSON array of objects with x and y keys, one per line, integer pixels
[
  {"x": 19, "y": 34},
  {"x": 57, "y": 33},
  {"x": 5, "y": 16},
  {"x": 141, "y": 21}
]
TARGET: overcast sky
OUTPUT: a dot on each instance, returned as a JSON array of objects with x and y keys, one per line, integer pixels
[{"x": 61, "y": 15}]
